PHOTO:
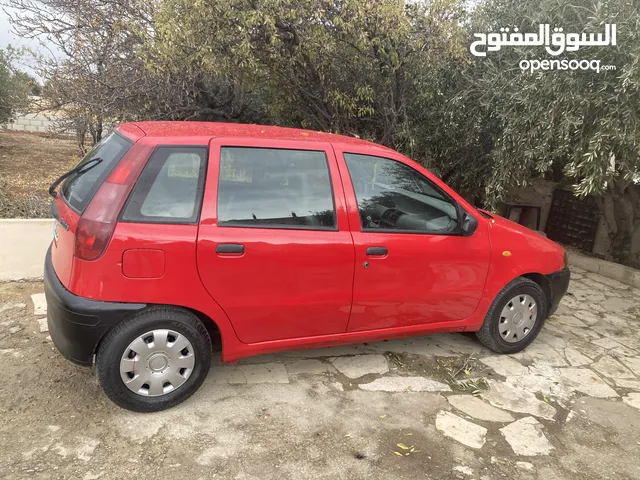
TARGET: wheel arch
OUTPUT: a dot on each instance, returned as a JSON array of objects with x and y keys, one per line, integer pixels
[
  {"x": 215, "y": 335},
  {"x": 543, "y": 282}
]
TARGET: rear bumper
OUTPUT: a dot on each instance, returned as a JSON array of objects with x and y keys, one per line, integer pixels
[
  {"x": 559, "y": 282},
  {"x": 77, "y": 324}
]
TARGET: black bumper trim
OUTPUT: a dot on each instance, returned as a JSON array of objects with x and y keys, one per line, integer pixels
[
  {"x": 77, "y": 324},
  {"x": 559, "y": 282}
]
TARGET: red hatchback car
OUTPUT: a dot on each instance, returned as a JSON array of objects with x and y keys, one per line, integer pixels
[{"x": 170, "y": 233}]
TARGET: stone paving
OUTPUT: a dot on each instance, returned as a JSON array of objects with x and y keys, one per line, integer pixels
[{"x": 566, "y": 407}]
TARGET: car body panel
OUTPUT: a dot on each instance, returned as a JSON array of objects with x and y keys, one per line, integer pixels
[{"x": 302, "y": 288}]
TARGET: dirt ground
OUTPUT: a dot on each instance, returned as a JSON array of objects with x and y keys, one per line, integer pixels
[
  {"x": 567, "y": 407},
  {"x": 29, "y": 162}
]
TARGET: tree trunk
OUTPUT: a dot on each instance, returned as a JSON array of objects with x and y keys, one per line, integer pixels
[{"x": 620, "y": 210}]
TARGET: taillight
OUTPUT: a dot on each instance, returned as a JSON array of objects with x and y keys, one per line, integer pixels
[{"x": 98, "y": 221}]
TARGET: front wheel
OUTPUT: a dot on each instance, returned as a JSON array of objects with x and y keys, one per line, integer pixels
[
  {"x": 514, "y": 318},
  {"x": 154, "y": 359}
]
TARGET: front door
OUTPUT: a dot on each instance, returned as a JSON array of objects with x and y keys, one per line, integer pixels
[
  {"x": 413, "y": 266},
  {"x": 274, "y": 247}
]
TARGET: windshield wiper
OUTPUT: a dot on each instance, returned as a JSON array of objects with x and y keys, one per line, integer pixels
[{"x": 80, "y": 169}]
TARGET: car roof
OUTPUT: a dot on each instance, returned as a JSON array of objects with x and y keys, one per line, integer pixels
[{"x": 220, "y": 129}]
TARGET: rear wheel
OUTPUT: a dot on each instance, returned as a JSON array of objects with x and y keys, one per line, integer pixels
[
  {"x": 154, "y": 360},
  {"x": 515, "y": 317}
]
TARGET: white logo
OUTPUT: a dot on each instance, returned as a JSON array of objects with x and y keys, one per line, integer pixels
[{"x": 570, "y": 42}]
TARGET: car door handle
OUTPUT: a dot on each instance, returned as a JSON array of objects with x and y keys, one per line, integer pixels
[
  {"x": 377, "y": 251},
  {"x": 236, "y": 248}
]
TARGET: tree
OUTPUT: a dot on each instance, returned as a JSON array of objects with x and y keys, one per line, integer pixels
[
  {"x": 346, "y": 66},
  {"x": 14, "y": 86},
  {"x": 582, "y": 122}
]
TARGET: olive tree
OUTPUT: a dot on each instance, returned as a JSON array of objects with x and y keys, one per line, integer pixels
[{"x": 582, "y": 122}]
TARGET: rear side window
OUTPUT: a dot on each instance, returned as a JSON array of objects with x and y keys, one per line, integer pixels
[
  {"x": 170, "y": 187},
  {"x": 78, "y": 189},
  {"x": 275, "y": 188}
]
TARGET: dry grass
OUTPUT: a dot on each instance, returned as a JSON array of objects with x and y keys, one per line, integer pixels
[{"x": 28, "y": 164}]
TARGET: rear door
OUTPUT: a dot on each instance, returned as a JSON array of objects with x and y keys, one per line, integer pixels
[
  {"x": 274, "y": 246},
  {"x": 413, "y": 266}
]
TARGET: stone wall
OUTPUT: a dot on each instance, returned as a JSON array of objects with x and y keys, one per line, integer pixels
[
  {"x": 31, "y": 122},
  {"x": 540, "y": 193}
]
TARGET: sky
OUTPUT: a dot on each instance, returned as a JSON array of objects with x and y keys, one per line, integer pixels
[{"x": 9, "y": 38}]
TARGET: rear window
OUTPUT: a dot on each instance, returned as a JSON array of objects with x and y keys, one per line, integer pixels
[
  {"x": 170, "y": 188},
  {"x": 78, "y": 189}
]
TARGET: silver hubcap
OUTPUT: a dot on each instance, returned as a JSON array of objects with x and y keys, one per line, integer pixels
[
  {"x": 157, "y": 363},
  {"x": 518, "y": 318}
]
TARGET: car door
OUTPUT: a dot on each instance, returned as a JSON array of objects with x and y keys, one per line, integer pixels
[
  {"x": 413, "y": 265},
  {"x": 274, "y": 246}
]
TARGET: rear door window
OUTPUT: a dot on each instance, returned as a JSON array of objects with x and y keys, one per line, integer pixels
[
  {"x": 78, "y": 189},
  {"x": 275, "y": 188},
  {"x": 170, "y": 188}
]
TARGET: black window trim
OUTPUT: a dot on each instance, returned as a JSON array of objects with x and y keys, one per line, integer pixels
[
  {"x": 100, "y": 179},
  {"x": 459, "y": 210},
  {"x": 232, "y": 224},
  {"x": 202, "y": 174}
]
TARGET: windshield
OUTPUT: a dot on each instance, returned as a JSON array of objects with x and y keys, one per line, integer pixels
[{"x": 80, "y": 187}]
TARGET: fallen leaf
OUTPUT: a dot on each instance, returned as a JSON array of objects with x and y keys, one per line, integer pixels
[
  {"x": 409, "y": 433},
  {"x": 348, "y": 435},
  {"x": 403, "y": 446},
  {"x": 407, "y": 454},
  {"x": 398, "y": 453},
  {"x": 412, "y": 449},
  {"x": 382, "y": 416}
]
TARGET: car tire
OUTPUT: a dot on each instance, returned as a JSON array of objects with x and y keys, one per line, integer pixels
[
  {"x": 148, "y": 346},
  {"x": 500, "y": 333}
]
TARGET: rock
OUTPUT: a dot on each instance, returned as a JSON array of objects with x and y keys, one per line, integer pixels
[
  {"x": 308, "y": 366},
  {"x": 515, "y": 399},
  {"x": 575, "y": 358},
  {"x": 525, "y": 466},
  {"x": 461, "y": 430},
  {"x": 588, "y": 318},
  {"x": 610, "y": 367},
  {"x": 504, "y": 365},
  {"x": 12, "y": 306},
  {"x": 541, "y": 354},
  {"x": 42, "y": 322},
  {"x": 633, "y": 364},
  {"x": 476, "y": 408},
  {"x": 617, "y": 304},
  {"x": 633, "y": 400},
  {"x": 526, "y": 438},
  {"x": 405, "y": 384},
  {"x": 464, "y": 470},
  {"x": 630, "y": 384},
  {"x": 356, "y": 367},
  {"x": 606, "y": 342},
  {"x": 543, "y": 379},
  {"x": 587, "y": 382},
  {"x": 567, "y": 321},
  {"x": 39, "y": 304}
]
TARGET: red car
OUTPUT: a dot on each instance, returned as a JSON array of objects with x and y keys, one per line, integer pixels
[{"x": 169, "y": 234}]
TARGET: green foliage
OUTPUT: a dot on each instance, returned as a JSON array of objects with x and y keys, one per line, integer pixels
[
  {"x": 585, "y": 122},
  {"x": 14, "y": 86}
]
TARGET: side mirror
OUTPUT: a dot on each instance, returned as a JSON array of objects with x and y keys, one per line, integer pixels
[{"x": 469, "y": 224}]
